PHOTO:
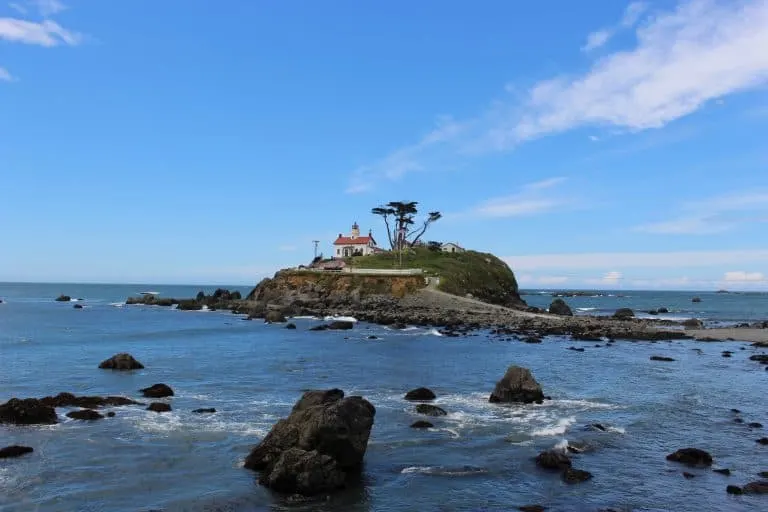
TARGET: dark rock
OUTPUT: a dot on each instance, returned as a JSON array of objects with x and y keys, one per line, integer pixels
[
  {"x": 110, "y": 414},
  {"x": 290, "y": 326},
  {"x": 762, "y": 440},
  {"x": 420, "y": 394},
  {"x": 159, "y": 407},
  {"x": 688, "y": 475},
  {"x": 759, "y": 487},
  {"x": 86, "y": 402},
  {"x": 78, "y": 306},
  {"x": 576, "y": 349},
  {"x": 28, "y": 411},
  {"x": 559, "y": 307},
  {"x": 553, "y": 460},
  {"x": 693, "y": 323},
  {"x": 691, "y": 457},
  {"x": 318, "y": 447},
  {"x": 157, "y": 391},
  {"x": 755, "y": 424},
  {"x": 736, "y": 411},
  {"x": 517, "y": 385},
  {"x": 430, "y": 410},
  {"x": 319, "y": 328},
  {"x": 532, "y": 339},
  {"x": 763, "y": 474},
  {"x": 373, "y": 337},
  {"x": 121, "y": 361},
  {"x": 63, "y": 298},
  {"x": 532, "y": 508},
  {"x": 597, "y": 426},
  {"x": 188, "y": 305},
  {"x": 696, "y": 299},
  {"x": 14, "y": 451},
  {"x": 340, "y": 325},
  {"x": 421, "y": 424},
  {"x": 574, "y": 476},
  {"x": 723, "y": 471},
  {"x": 726, "y": 354},
  {"x": 653, "y": 312},
  {"x": 661, "y": 358},
  {"x": 274, "y": 316},
  {"x": 662, "y": 310},
  {"x": 733, "y": 489},
  {"x": 85, "y": 414},
  {"x": 761, "y": 358},
  {"x": 209, "y": 410},
  {"x": 738, "y": 420},
  {"x": 624, "y": 314}
]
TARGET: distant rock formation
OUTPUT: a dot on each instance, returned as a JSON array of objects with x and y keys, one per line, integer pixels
[
  {"x": 559, "y": 307},
  {"x": 517, "y": 385},
  {"x": 122, "y": 361}
]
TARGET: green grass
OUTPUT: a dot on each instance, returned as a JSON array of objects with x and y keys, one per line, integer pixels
[{"x": 481, "y": 274}]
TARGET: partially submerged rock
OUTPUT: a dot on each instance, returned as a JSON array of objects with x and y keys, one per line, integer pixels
[
  {"x": 159, "y": 407},
  {"x": 205, "y": 410},
  {"x": 559, "y": 307},
  {"x": 63, "y": 298},
  {"x": 274, "y": 316},
  {"x": 430, "y": 410},
  {"x": 28, "y": 411},
  {"x": 517, "y": 385},
  {"x": 157, "y": 391},
  {"x": 661, "y": 358},
  {"x": 86, "y": 402},
  {"x": 421, "y": 424},
  {"x": 624, "y": 314},
  {"x": 420, "y": 394},
  {"x": 573, "y": 476},
  {"x": 318, "y": 447},
  {"x": 122, "y": 361},
  {"x": 758, "y": 487},
  {"x": 85, "y": 415},
  {"x": 554, "y": 460},
  {"x": 693, "y": 323},
  {"x": 691, "y": 457},
  {"x": 14, "y": 451}
]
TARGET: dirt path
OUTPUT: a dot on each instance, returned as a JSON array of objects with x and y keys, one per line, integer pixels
[{"x": 751, "y": 335}]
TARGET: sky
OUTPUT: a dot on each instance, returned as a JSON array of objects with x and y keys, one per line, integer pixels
[{"x": 599, "y": 145}]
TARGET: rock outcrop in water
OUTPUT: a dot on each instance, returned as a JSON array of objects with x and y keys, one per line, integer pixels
[
  {"x": 159, "y": 407},
  {"x": 517, "y": 385},
  {"x": 318, "y": 447},
  {"x": 85, "y": 415},
  {"x": 420, "y": 395},
  {"x": 430, "y": 410},
  {"x": 691, "y": 457},
  {"x": 28, "y": 411},
  {"x": 559, "y": 307},
  {"x": 63, "y": 298},
  {"x": 624, "y": 314},
  {"x": 14, "y": 451},
  {"x": 157, "y": 391},
  {"x": 122, "y": 361},
  {"x": 87, "y": 402}
]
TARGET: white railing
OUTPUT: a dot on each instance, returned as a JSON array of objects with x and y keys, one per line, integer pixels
[{"x": 384, "y": 271}]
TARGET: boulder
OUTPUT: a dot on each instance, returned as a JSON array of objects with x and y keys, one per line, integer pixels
[
  {"x": 661, "y": 358},
  {"x": 733, "y": 489},
  {"x": 554, "y": 460},
  {"x": 121, "y": 361},
  {"x": 430, "y": 410},
  {"x": 318, "y": 447},
  {"x": 28, "y": 411},
  {"x": 340, "y": 325},
  {"x": 760, "y": 358},
  {"x": 157, "y": 391},
  {"x": 63, "y": 298},
  {"x": 763, "y": 441},
  {"x": 517, "y": 385},
  {"x": 574, "y": 476},
  {"x": 662, "y": 310},
  {"x": 14, "y": 451},
  {"x": 85, "y": 414},
  {"x": 624, "y": 314},
  {"x": 696, "y": 299},
  {"x": 559, "y": 307},
  {"x": 159, "y": 407},
  {"x": 532, "y": 508},
  {"x": 290, "y": 326},
  {"x": 755, "y": 424},
  {"x": 722, "y": 471},
  {"x": 322, "y": 327},
  {"x": 421, "y": 424},
  {"x": 691, "y": 457},
  {"x": 86, "y": 402},
  {"x": 693, "y": 323},
  {"x": 759, "y": 487},
  {"x": 420, "y": 394},
  {"x": 78, "y": 306},
  {"x": 208, "y": 410},
  {"x": 274, "y": 316}
]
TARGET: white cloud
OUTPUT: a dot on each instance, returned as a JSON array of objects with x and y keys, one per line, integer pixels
[
  {"x": 632, "y": 14},
  {"x": 627, "y": 260},
  {"x": 528, "y": 280},
  {"x": 599, "y": 38},
  {"x": 18, "y": 8},
  {"x": 744, "y": 277},
  {"x": 681, "y": 59},
  {"x": 534, "y": 198},
  {"x": 596, "y": 40},
  {"x": 713, "y": 215},
  {"x": 5, "y": 76},
  {"x": 48, "y": 7},
  {"x": 46, "y": 33}
]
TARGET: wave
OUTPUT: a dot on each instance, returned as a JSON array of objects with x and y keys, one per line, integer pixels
[
  {"x": 557, "y": 429},
  {"x": 586, "y": 309},
  {"x": 435, "y": 332},
  {"x": 340, "y": 319},
  {"x": 444, "y": 471},
  {"x": 304, "y": 317},
  {"x": 117, "y": 304}
]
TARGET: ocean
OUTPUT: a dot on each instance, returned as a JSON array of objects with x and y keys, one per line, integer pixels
[{"x": 478, "y": 458}]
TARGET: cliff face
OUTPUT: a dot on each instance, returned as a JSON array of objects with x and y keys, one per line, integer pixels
[{"x": 297, "y": 288}]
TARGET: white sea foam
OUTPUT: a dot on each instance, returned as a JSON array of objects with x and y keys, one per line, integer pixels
[
  {"x": 304, "y": 317},
  {"x": 444, "y": 471},
  {"x": 340, "y": 319},
  {"x": 435, "y": 332},
  {"x": 117, "y": 304},
  {"x": 557, "y": 429},
  {"x": 586, "y": 309},
  {"x": 561, "y": 445}
]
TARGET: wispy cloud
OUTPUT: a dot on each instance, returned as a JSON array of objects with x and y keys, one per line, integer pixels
[
  {"x": 48, "y": 7},
  {"x": 19, "y": 8},
  {"x": 680, "y": 60},
  {"x": 46, "y": 33},
  {"x": 533, "y": 198},
  {"x": 5, "y": 76},
  {"x": 739, "y": 276},
  {"x": 600, "y": 37},
  {"x": 713, "y": 215}
]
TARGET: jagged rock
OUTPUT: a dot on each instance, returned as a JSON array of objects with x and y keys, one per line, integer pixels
[
  {"x": 691, "y": 457},
  {"x": 14, "y": 451},
  {"x": 63, "y": 298},
  {"x": 85, "y": 415},
  {"x": 574, "y": 476},
  {"x": 421, "y": 424},
  {"x": 624, "y": 314},
  {"x": 430, "y": 410},
  {"x": 86, "y": 402},
  {"x": 420, "y": 394},
  {"x": 661, "y": 358},
  {"x": 159, "y": 407},
  {"x": 318, "y": 446},
  {"x": 517, "y": 385},
  {"x": 28, "y": 411},
  {"x": 122, "y": 361},
  {"x": 208, "y": 410},
  {"x": 157, "y": 391},
  {"x": 559, "y": 307},
  {"x": 554, "y": 460},
  {"x": 274, "y": 316}
]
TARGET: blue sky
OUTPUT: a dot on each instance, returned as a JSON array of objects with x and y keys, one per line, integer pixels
[{"x": 619, "y": 145}]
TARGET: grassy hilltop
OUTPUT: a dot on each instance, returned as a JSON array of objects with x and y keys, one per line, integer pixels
[{"x": 482, "y": 275}]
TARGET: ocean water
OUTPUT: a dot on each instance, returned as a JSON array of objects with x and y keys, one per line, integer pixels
[{"x": 479, "y": 457}]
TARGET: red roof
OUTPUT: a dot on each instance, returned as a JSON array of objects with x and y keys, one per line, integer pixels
[{"x": 348, "y": 240}]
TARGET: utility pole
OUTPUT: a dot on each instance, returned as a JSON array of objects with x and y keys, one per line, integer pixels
[{"x": 315, "y": 242}]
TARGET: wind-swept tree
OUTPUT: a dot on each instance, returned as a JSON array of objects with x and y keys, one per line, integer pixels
[{"x": 399, "y": 219}]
